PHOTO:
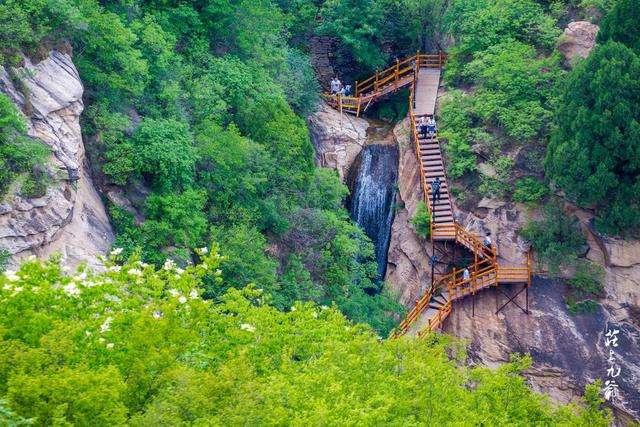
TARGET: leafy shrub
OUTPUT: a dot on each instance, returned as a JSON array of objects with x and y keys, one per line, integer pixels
[
  {"x": 460, "y": 158},
  {"x": 588, "y": 280},
  {"x": 586, "y": 284},
  {"x": 18, "y": 153},
  {"x": 422, "y": 221},
  {"x": 174, "y": 224},
  {"x": 556, "y": 238},
  {"x": 4, "y": 259},
  {"x": 529, "y": 189}
]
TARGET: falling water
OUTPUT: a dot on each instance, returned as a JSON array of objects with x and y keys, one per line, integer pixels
[{"x": 372, "y": 181}]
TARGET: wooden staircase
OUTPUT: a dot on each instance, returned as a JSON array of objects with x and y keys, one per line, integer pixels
[{"x": 422, "y": 73}]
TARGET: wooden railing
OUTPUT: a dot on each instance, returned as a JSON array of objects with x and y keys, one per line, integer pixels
[
  {"x": 402, "y": 73},
  {"x": 436, "y": 321}
]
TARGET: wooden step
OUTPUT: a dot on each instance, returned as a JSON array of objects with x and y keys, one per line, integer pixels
[
  {"x": 433, "y": 169},
  {"x": 441, "y": 207},
  {"x": 441, "y": 219},
  {"x": 434, "y": 174},
  {"x": 431, "y": 162}
]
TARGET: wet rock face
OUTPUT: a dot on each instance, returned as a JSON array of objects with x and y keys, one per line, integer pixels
[
  {"x": 70, "y": 218},
  {"x": 568, "y": 351},
  {"x": 372, "y": 184},
  {"x": 337, "y": 139},
  {"x": 578, "y": 39}
]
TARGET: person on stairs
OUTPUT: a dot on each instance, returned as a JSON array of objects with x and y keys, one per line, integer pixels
[
  {"x": 336, "y": 86},
  {"x": 422, "y": 126},
  {"x": 435, "y": 189},
  {"x": 465, "y": 274},
  {"x": 431, "y": 127}
]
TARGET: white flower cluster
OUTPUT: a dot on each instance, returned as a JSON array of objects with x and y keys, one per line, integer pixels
[
  {"x": 11, "y": 276},
  {"x": 116, "y": 251},
  {"x": 106, "y": 325},
  {"x": 71, "y": 289},
  {"x": 181, "y": 298},
  {"x": 247, "y": 327}
]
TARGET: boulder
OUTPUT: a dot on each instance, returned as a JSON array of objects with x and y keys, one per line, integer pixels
[
  {"x": 70, "y": 218},
  {"x": 337, "y": 138},
  {"x": 623, "y": 253},
  {"x": 578, "y": 39}
]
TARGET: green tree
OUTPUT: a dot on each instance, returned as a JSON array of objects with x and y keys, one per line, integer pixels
[
  {"x": 164, "y": 154},
  {"x": 594, "y": 155},
  {"x": 110, "y": 65},
  {"x": 620, "y": 25},
  {"x": 556, "y": 238}
]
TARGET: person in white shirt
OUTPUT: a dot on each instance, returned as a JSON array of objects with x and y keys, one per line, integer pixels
[
  {"x": 422, "y": 126},
  {"x": 431, "y": 126},
  {"x": 336, "y": 86}
]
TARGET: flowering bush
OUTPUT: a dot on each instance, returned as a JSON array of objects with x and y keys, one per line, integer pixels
[{"x": 136, "y": 345}]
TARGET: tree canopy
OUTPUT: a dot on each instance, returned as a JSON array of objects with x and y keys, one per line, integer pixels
[
  {"x": 594, "y": 154},
  {"x": 137, "y": 345},
  {"x": 621, "y": 25}
]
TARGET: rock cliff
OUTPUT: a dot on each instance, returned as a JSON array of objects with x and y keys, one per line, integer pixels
[
  {"x": 70, "y": 218},
  {"x": 337, "y": 138}
]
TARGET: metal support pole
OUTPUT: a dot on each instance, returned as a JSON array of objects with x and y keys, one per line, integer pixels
[{"x": 473, "y": 305}]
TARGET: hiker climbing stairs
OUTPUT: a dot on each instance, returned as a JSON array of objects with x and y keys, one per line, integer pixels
[{"x": 422, "y": 74}]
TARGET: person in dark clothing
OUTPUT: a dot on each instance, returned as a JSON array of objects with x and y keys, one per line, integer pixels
[{"x": 435, "y": 189}]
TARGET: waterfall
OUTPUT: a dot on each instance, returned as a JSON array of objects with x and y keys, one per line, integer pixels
[{"x": 372, "y": 180}]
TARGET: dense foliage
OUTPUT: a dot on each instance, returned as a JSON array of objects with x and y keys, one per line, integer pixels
[
  {"x": 594, "y": 154},
  {"x": 621, "y": 25},
  {"x": 138, "y": 346},
  {"x": 501, "y": 73},
  {"x": 20, "y": 157},
  {"x": 195, "y": 110},
  {"x": 556, "y": 238}
]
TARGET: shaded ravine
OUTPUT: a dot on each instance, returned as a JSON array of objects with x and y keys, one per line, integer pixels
[{"x": 372, "y": 181}]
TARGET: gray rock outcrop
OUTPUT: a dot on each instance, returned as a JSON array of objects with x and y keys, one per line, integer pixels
[
  {"x": 337, "y": 138},
  {"x": 70, "y": 218},
  {"x": 578, "y": 39}
]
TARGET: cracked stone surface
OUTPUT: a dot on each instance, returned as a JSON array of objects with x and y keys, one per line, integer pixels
[{"x": 70, "y": 218}]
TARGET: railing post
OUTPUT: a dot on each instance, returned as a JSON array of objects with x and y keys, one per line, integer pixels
[
  {"x": 397, "y": 73},
  {"x": 375, "y": 84},
  {"x": 356, "y": 89}
]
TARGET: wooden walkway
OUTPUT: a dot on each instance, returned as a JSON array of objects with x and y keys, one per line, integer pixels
[
  {"x": 427, "y": 91},
  {"x": 422, "y": 73}
]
